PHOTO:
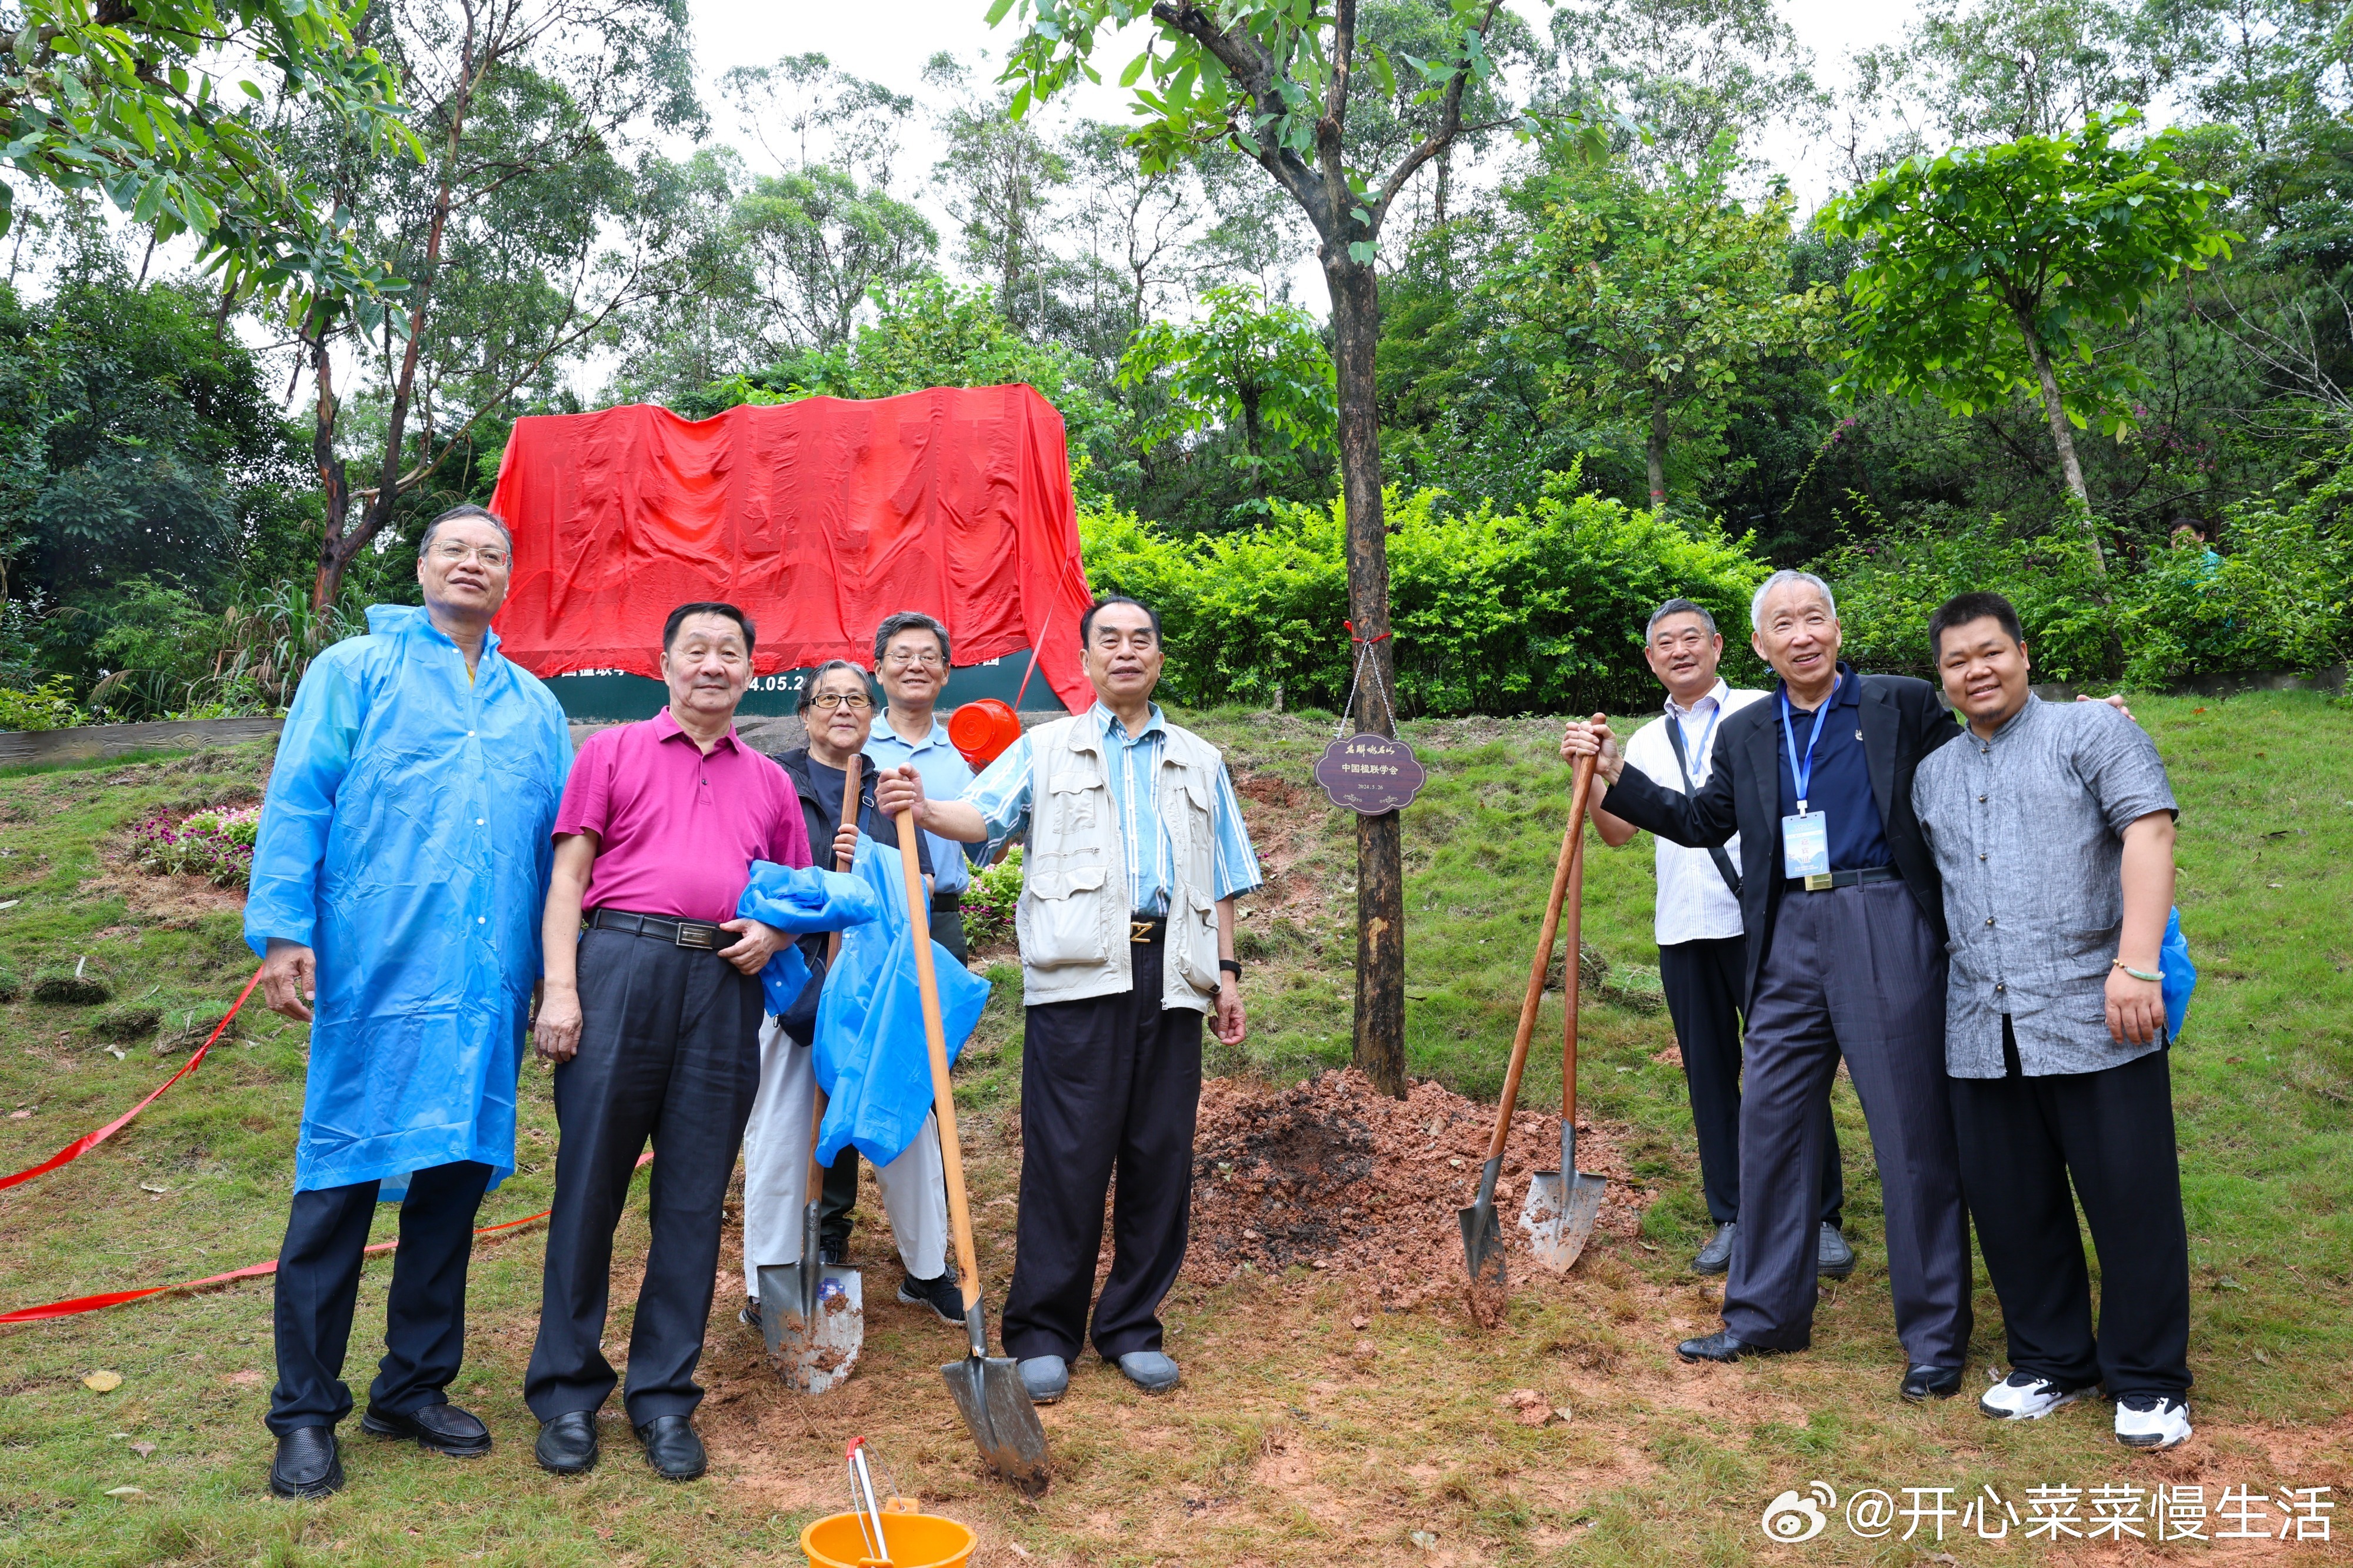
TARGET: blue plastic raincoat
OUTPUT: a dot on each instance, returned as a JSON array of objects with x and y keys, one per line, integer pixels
[
  {"x": 405, "y": 838},
  {"x": 870, "y": 1054},
  {"x": 800, "y": 900}
]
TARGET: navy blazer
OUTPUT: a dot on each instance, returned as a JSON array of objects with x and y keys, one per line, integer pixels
[{"x": 1902, "y": 722}]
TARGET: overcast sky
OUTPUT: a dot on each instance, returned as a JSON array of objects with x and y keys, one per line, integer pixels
[{"x": 889, "y": 41}]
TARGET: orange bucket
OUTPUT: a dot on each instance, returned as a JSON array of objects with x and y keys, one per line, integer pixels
[
  {"x": 915, "y": 1540},
  {"x": 982, "y": 731}
]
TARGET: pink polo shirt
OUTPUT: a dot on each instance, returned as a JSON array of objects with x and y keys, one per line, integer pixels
[{"x": 677, "y": 831}]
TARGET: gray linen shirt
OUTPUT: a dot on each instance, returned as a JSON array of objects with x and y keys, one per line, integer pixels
[{"x": 2028, "y": 833}]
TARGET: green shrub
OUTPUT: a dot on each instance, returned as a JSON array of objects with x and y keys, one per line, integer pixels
[
  {"x": 49, "y": 706},
  {"x": 1494, "y": 611},
  {"x": 989, "y": 901}
]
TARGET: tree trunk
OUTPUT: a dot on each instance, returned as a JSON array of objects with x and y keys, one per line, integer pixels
[
  {"x": 1380, "y": 842},
  {"x": 340, "y": 547},
  {"x": 1658, "y": 450},
  {"x": 2054, "y": 408},
  {"x": 334, "y": 484},
  {"x": 1250, "y": 440}
]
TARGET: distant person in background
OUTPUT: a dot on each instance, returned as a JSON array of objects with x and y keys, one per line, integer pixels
[
  {"x": 652, "y": 1014},
  {"x": 1703, "y": 957},
  {"x": 910, "y": 660},
  {"x": 838, "y": 711},
  {"x": 398, "y": 869},
  {"x": 2052, "y": 825}
]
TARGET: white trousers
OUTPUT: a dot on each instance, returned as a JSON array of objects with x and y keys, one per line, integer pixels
[{"x": 776, "y": 1164}]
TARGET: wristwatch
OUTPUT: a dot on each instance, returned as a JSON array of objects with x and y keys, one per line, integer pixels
[{"x": 1229, "y": 966}]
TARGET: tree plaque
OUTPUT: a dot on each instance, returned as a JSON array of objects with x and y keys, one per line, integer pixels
[{"x": 1370, "y": 774}]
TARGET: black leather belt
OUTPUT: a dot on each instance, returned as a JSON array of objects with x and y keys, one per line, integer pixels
[
  {"x": 1823, "y": 881},
  {"x": 661, "y": 928},
  {"x": 1146, "y": 931}
]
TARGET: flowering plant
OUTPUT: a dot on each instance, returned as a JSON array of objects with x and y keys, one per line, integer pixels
[{"x": 215, "y": 844}]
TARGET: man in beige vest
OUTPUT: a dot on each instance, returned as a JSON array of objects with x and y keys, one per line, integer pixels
[{"x": 1136, "y": 851}]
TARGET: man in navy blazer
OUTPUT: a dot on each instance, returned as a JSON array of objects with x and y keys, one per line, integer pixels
[{"x": 1845, "y": 917}]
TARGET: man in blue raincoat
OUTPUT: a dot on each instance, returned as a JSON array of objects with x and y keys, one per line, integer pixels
[{"x": 402, "y": 857}]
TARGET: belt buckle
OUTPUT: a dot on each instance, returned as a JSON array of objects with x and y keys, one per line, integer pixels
[
  {"x": 1820, "y": 881},
  {"x": 1139, "y": 930},
  {"x": 697, "y": 934}
]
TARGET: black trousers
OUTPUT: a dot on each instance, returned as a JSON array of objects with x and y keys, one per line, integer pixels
[
  {"x": 2109, "y": 1135},
  {"x": 669, "y": 1051},
  {"x": 1108, "y": 1083},
  {"x": 1703, "y": 980},
  {"x": 839, "y": 1205},
  {"x": 1855, "y": 973},
  {"x": 425, "y": 1317}
]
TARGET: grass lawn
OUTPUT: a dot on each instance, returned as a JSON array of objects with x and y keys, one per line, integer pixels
[{"x": 1299, "y": 1436}]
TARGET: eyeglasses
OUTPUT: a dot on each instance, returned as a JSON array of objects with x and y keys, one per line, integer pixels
[
  {"x": 452, "y": 553},
  {"x": 902, "y": 658},
  {"x": 828, "y": 700}
]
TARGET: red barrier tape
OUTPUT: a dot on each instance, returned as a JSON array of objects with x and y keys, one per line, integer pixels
[
  {"x": 88, "y": 1140},
  {"x": 80, "y": 1304}
]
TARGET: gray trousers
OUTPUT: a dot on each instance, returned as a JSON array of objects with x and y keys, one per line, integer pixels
[{"x": 1854, "y": 972}]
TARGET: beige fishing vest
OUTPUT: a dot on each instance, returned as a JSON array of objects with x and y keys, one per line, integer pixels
[{"x": 1072, "y": 919}]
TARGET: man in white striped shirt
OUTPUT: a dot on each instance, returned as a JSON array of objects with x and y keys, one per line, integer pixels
[{"x": 1702, "y": 952}]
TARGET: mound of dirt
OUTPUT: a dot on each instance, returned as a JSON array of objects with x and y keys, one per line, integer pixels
[{"x": 1333, "y": 1175}]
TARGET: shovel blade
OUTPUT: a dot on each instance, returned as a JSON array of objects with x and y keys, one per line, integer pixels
[
  {"x": 1558, "y": 1216},
  {"x": 1003, "y": 1418},
  {"x": 1482, "y": 1243},
  {"x": 812, "y": 1353}
]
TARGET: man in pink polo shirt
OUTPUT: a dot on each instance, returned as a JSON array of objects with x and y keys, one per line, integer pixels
[{"x": 652, "y": 1014}]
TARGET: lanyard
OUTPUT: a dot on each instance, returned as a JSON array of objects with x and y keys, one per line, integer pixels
[
  {"x": 1802, "y": 775},
  {"x": 1697, "y": 748}
]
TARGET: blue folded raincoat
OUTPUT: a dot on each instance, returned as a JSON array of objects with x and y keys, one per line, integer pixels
[
  {"x": 800, "y": 900},
  {"x": 405, "y": 838},
  {"x": 870, "y": 1058}
]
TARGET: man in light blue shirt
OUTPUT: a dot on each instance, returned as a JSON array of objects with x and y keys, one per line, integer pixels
[{"x": 910, "y": 660}]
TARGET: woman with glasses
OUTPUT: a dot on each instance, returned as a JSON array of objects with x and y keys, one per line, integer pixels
[{"x": 839, "y": 710}]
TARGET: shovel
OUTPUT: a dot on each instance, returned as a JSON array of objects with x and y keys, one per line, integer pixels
[
  {"x": 988, "y": 1388},
  {"x": 1483, "y": 1237},
  {"x": 813, "y": 1313},
  {"x": 1561, "y": 1206}
]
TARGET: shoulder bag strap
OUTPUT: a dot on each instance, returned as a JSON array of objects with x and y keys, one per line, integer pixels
[{"x": 1723, "y": 861}]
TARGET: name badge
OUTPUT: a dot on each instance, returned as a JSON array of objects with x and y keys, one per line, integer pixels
[{"x": 1806, "y": 846}]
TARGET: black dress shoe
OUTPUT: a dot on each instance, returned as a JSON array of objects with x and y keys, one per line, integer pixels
[
  {"x": 1833, "y": 1259},
  {"x": 567, "y": 1444},
  {"x": 1922, "y": 1384},
  {"x": 1716, "y": 1257},
  {"x": 442, "y": 1427},
  {"x": 1724, "y": 1346},
  {"x": 308, "y": 1464},
  {"x": 672, "y": 1449}
]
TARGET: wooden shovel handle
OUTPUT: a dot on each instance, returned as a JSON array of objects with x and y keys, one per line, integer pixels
[
  {"x": 849, "y": 819},
  {"x": 1570, "y": 843},
  {"x": 1576, "y": 909},
  {"x": 936, "y": 1036},
  {"x": 832, "y": 952}
]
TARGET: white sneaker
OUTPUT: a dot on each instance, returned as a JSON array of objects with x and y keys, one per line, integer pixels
[
  {"x": 2152, "y": 1421},
  {"x": 2024, "y": 1396}
]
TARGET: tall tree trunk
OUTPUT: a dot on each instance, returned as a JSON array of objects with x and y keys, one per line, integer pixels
[
  {"x": 334, "y": 483},
  {"x": 1381, "y": 841},
  {"x": 338, "y": 547},
  {"x": 1658, "y": 448},
  {"x": 2063, "y": 435},
  {"x": 1252, "y": 441}
]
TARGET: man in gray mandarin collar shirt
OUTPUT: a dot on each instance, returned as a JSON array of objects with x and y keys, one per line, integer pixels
[{"x": 2052, "y": 832}]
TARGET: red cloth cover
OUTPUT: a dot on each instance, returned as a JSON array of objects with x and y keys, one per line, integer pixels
[{"x": 819, "y": 518}]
